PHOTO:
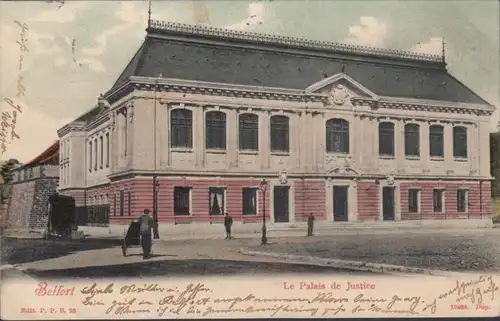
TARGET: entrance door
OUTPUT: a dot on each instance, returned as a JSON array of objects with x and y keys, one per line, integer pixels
[
  {"x": 281, "y": 214},
  {"x": 340, "y": 203},
  {"x": 388, "y": 203}
]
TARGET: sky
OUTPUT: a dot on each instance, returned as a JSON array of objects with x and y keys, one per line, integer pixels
[{"x": 64, "y": 54}]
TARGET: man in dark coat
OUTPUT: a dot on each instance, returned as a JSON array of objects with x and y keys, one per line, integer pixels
[
  {"x": 147, "y": 223},
  {"x": 228, "y": 222},
  {"x": 310, "y": 224}
]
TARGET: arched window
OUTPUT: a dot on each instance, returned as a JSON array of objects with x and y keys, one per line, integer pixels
[
  {"x": 436, "y": 141},
  {"x": 337, "y": 136},
  {"x": 412, "y": 140},
  {"x": 386, "y": 139},
  {"x": 181, "y": 124},
  {"x": 279, "y": 133},
  {"x": 249, "y": 132},
  {"x": 460, "y": 142},
  {"x": 215, "y": 130}
]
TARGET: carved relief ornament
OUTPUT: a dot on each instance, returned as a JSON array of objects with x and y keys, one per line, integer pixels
[{"x": 339, "y": 96}]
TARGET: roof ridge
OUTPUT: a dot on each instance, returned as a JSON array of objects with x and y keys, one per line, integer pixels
[{"x": 267, "y": 38}]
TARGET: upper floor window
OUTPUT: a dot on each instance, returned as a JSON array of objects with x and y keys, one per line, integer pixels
[
  {"x": 181, "y": 124},
  {"x": 412, "y": 140},
  {"x": 459, "y": 141},
  {"x": 90, "y": 157},
  {"x": 386, "y": 139},
  {"x": 95, "y": 154},
  {"x": 215, "y": 127},
  {"x": 436, "y": 141},
  {"x": 102, "y": 150},
  {"x": 279, "y": 133},
  {"x": 337, "y": 136},
  {"x": 107, "y": 149},
  {"x": 248, "y": 132}
]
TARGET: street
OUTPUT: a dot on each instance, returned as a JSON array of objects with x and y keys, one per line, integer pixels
[
  {"x": 461, "y": 251},
  {"x": 96, "y": 258}
]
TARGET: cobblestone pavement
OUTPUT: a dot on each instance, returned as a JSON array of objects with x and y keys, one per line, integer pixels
[
  {"x": 103, "y": 258},
  {"x": 462, "y": 251}
]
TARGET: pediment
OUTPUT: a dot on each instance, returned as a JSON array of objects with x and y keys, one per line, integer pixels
[{"x": 342, "y": 81}]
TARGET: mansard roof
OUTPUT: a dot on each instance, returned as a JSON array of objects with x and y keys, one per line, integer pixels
[{"x": 178, "y": 51}]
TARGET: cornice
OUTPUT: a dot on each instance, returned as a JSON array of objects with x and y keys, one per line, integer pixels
[
  {"x": 283, "y": 94},
  {"x": 98, "y": 121}
]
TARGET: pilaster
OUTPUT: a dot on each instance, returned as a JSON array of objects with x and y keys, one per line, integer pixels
[
  {"x": 399, "y": 142},
  {"x": 424, "y": 146},
  {"x": 448, "y": 146},
  {"x": 199, "y": 136},
  {"x": 164, "y": 140},
  {"x": 232, "y": 130},
  {"x": 264, "y": 133}
]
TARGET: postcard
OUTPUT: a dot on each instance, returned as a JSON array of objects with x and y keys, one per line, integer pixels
[{"x": 207, "y": 159}]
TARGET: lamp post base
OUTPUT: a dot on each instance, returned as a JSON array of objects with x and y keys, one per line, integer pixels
[{"x": 263, "y": 240}]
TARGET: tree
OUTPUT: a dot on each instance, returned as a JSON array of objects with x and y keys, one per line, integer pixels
[
  {"x": 5, "y": 169},
  {"x": 495, "y": 164}
]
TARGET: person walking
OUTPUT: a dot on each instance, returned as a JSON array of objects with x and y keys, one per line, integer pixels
[
  {"x": 310, "y": 224},
  {"x": 228, "y": 223},
  {"x": 147, "y": 223}
]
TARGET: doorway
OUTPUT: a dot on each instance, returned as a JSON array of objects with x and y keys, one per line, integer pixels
[
  {"x": 281, "y": 204},
  {"x": 388, "y": 198},
  {"x": 340, "y": 203}
]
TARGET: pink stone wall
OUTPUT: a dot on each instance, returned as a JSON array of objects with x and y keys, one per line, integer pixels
[
  {"x": 310, "y": 197},
  {"x": 368, "y": 193},
  {"x": 78, "y": 195},
  {"x": 479, "y": 200}
]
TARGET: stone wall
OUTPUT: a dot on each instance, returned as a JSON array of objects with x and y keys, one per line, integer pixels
[
  {"x": 29, "y": 203},
  {"x": 43, "y": 189},
  {"x": 21, "y": 203}
]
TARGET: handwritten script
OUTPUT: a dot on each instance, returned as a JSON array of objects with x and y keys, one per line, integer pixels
[
  {"x": 199, "y": 300},
  {"x": 9, "y": 117}
]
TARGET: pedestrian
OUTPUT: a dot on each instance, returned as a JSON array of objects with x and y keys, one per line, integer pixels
[
  {"x": 228, "y": 223},
  {"x": 310, "y": 224},
  {"x": 147, "y": 223}
]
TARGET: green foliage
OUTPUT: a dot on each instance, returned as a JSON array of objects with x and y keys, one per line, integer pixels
[{"x": 5, "y": 169}]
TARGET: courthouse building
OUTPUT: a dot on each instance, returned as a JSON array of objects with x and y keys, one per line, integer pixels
[{"x": 348, "y": 133}]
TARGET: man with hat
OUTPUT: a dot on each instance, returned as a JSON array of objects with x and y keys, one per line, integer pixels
[{"x": 147, "y": 223}]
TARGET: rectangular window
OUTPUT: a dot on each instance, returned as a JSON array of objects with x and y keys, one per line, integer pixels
[
  {"x": 462, "y": 201},
  {"x": 114, "y": 205},
  {"x": 249, "y": 201},
  {"x": 122, "y": 203},
  {"x": 95, "y": 156},
  {"x": 90, "y": 157},
  {"x": 413, "y": 200},
  {"x": 102, "y": 151},
  {"x": 437, "y": 200},
  {"x": 182, "y": 201},
  {"x": 216, "y": 201},
  {"x": 107, "y": 149},
  {"x": 125, "y": 133},
  {"x": 129, "y": 203}
]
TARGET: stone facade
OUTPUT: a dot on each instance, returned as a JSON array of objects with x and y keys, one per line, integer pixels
[
  {"x": 338, "y": 162},
  {"x": 31, "y": 188}
]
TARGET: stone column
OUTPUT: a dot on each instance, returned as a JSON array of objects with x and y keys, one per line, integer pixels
[
  {"x": 301, "y": 131},
  {"x": 473, "y": 149},
  {"x": 314, "y": 130},
  {"x": 424, "y": 147},
  {"x": 448, "y": 146},
  {"x": 130, "y": 134},
  {"x": 264, "y": 132},
  {"x": 319, "y": 131},
  {"x": 399, "y": 139},
  {"x": 199, "y": 136},
  {"x": 232, "y": 132}
]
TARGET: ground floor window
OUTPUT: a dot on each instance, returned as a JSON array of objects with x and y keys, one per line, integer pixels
[
  {"x": 249, "y": 201},
  {"x": 122, "y": 203},
  {"x": 182, "y": 201},
  {"x": 462, "y": 200},
  {"x": 216, "y": 201},
  {"x": 437, "y": 200},
  {"x": 413, "y": 200}
]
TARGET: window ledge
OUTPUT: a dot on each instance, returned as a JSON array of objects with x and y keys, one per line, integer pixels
[
  {"x": 249, "y": 152},
  {"x": 460, "y": 159},
  {"x": 216, "y": 151},
  {"x": 388, "y": 157},
  {"x": 437, "y": 158},
  {"x": 280, "y": 153},
  {"x": 181, "y": 150},
  {"x": 412, "y": 158},
  {"x": 339, "y": 155}
]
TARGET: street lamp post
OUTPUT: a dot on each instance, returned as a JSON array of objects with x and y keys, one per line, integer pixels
[{"x": 263, "y": 187}]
